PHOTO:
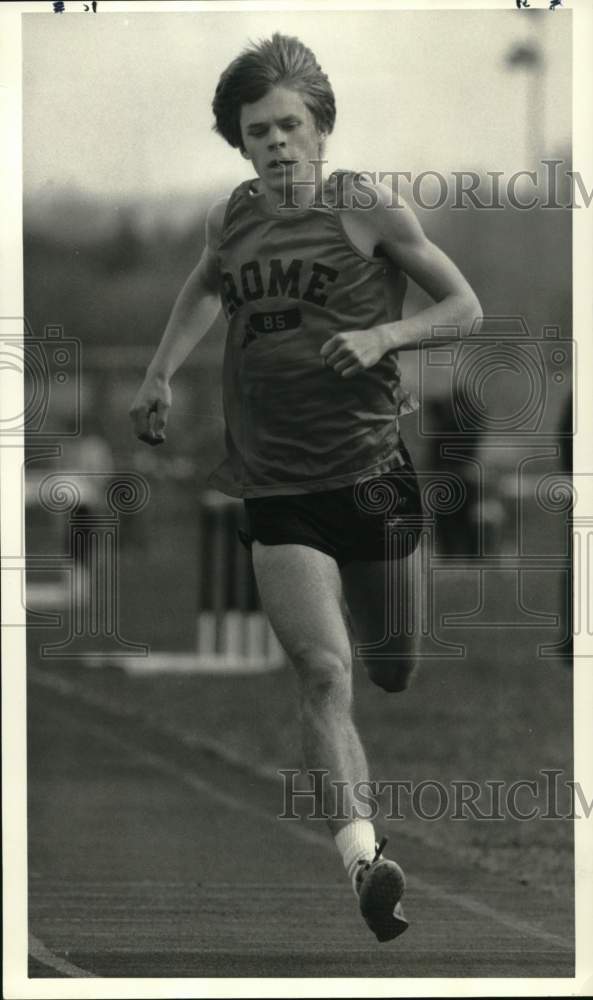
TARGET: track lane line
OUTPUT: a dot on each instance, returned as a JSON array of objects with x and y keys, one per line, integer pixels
[{"x": 38, "y": 951}]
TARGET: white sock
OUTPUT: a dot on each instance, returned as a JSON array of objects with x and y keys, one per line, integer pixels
[{"x": 356, "y": 842}]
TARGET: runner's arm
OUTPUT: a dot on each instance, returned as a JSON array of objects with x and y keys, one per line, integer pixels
[
  {"x": 401, "y": 237},
  {"x": 195, "y": 310},
  {"x": 396, "y": 231}
]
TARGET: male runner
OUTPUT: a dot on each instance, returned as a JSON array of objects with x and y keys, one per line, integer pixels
[{"x": 311, "y": 274}]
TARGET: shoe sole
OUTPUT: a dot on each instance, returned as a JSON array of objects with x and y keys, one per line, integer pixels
[{"x": 380, "y": 896}]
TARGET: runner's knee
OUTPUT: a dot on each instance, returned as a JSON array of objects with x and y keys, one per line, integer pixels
[{"x": 322, "y": 673}]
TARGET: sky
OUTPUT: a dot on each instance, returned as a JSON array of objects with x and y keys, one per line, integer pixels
[{"x": 119, "y": 104}]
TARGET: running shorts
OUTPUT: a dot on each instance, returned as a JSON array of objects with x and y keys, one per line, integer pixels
[{"x": 377, "y": 518}]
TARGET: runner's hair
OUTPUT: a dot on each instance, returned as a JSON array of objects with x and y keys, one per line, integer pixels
[{"x": 279, "y": 61}]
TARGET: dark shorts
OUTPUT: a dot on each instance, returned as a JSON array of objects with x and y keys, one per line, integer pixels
[{"x": 379, "y": 517}]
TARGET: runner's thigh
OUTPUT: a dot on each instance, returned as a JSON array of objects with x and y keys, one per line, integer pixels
[{"x": 301, "y": 592}]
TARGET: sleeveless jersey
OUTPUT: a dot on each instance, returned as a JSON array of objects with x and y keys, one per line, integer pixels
[{"x": 288, "y": 283}]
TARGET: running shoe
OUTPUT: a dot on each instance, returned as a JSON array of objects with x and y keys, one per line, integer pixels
[{"x": 380, "y": 885}]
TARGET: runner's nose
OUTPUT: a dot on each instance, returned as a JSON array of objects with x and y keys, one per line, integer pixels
[{"x": 276, "y": 138}]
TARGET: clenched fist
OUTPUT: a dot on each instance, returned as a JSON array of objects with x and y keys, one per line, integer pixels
[
  {"x": 150, "y": 410},
  {"x": 351, "y": 352}
]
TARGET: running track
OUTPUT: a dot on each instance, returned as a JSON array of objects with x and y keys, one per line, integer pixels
[{"x": 150, "y": 858}]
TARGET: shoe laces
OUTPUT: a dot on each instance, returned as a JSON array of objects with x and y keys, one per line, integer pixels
[{"x": 379, "y": 848}]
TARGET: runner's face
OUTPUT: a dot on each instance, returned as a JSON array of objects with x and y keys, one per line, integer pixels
[{"x": 277, "y": 130}]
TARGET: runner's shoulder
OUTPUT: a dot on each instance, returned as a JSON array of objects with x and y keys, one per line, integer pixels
[
  {"x": 374, "y": 205},
  {"x": 215, "y": 221},
  {"x": 360, "y": 192},
  {"x": 347, "y": 189}
]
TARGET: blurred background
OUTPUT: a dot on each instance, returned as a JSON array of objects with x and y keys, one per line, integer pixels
[{"x": 120, "y": 166}]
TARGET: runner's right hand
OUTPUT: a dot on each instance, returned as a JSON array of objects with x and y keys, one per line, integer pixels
[{"x": 150, "y": 410}]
